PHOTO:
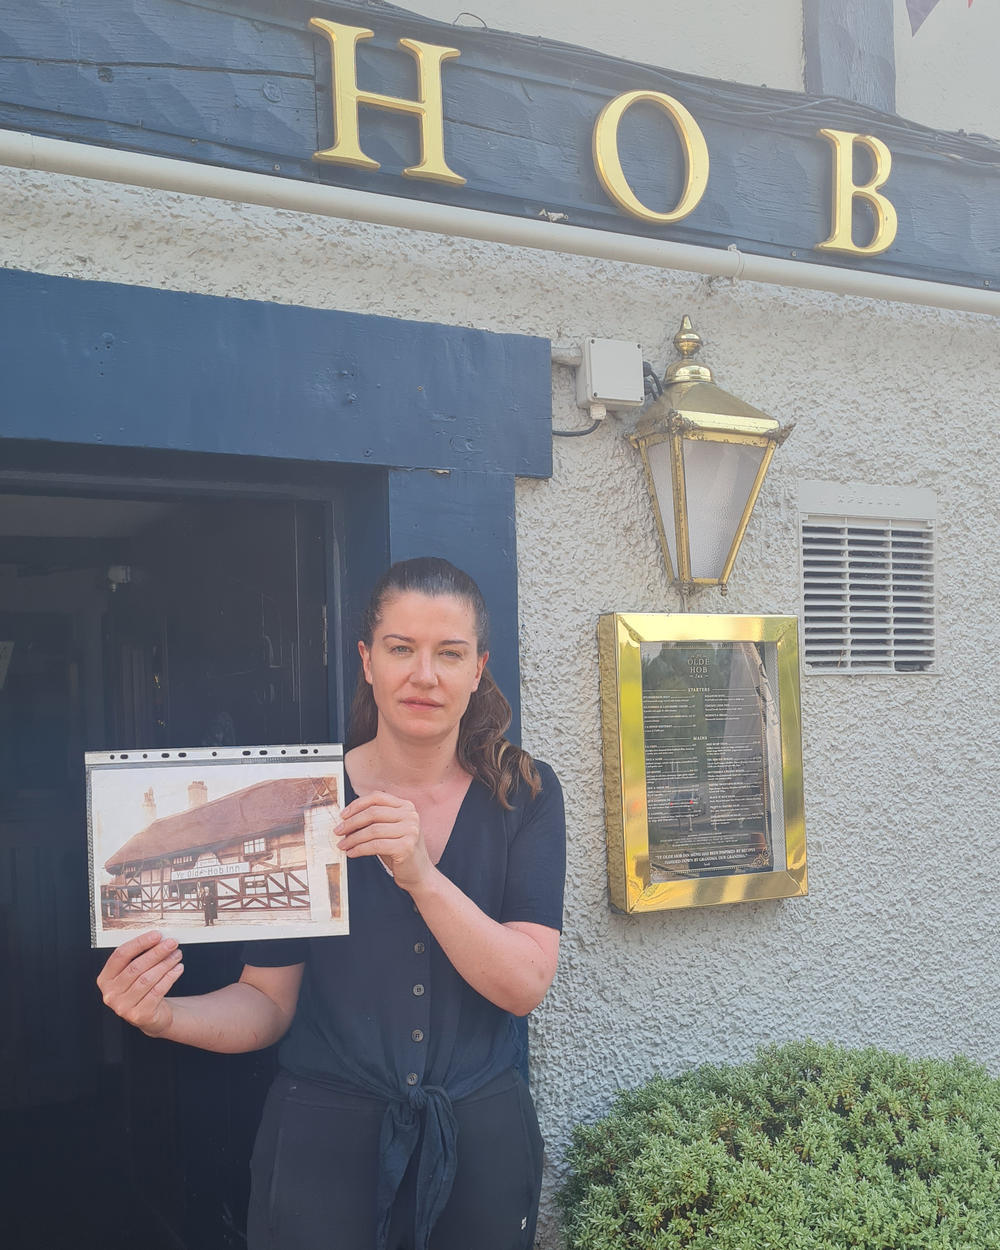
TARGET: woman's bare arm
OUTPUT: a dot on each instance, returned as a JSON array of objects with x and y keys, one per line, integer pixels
[
  {"x": 510, "y": 964},
  {"x": 248, "y": 1015}
]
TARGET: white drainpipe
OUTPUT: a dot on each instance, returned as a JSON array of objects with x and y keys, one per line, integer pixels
[{"x": 25, "y": 151}]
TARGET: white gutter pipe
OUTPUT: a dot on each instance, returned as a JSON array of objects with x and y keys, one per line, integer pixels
[{"x": 60, "y": 156}]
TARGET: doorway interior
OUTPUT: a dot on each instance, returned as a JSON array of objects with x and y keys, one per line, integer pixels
[{"x": 133, "y": 620}]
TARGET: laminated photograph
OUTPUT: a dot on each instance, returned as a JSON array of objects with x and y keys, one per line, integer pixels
[{"x": 216, "y": 844}]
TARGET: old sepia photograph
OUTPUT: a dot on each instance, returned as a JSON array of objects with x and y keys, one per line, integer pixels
[{"x": 216, "y": 844}]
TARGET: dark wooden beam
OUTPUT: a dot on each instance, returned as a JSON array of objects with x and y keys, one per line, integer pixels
[
  {"x": 126, "y": 366},
  {"x": 850, "y": 51}
]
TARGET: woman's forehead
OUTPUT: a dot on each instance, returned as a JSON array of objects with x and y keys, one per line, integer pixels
[{"x": 414, "y": 609}]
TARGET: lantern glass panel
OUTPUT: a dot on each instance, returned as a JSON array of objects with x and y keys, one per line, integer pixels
[
  {"x": 718, "y": 479},
  {"x": 658, "y": 458}
]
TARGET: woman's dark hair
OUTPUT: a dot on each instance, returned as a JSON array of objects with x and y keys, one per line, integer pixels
[{"x": 483, "y": 750}]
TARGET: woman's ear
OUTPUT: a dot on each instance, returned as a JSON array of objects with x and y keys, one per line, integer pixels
[
  {"x": 480, "y": 665},
  {"x": 366, "y": 661}
]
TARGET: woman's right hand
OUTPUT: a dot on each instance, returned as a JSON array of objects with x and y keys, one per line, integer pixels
[{"x": 137, "y": 976}]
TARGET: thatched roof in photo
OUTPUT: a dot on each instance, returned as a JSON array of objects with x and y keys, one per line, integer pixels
[{"x": 267, "y": 807}]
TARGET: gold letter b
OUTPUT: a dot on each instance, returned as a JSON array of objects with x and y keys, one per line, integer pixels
[{"x": 845, "y": 191}]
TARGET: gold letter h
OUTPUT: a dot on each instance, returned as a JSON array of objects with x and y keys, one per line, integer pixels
[{"x": 429, "y": 106}]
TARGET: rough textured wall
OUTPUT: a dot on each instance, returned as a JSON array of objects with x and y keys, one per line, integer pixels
[
  {"x": 896, "y": 943},
  {"x": 738, "y": 40},
  {"x": 946, "y": 73}
]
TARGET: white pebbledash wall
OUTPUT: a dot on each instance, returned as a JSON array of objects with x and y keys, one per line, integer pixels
[
  {"x": 897, "y": 942},
  {"x": 946, "y": 74},
  {"x": 736, "y": 40}
]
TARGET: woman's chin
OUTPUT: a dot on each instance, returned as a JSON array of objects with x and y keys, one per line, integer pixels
[{"x": 422, "y": 727}]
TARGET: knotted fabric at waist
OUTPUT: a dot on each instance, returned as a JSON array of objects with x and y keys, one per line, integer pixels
[
  {"x": 429, "y": 1107},
  {"x": 420, "y": 1120}
]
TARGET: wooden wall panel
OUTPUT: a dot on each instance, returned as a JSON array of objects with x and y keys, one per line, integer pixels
[
  {"x": 99, "y": 363},
  {"x": 247, "y": 85}
]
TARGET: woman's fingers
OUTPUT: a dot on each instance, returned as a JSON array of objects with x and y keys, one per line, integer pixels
[
  {"x": 389, "y": 847},
  {"x": 136, "y": 977},
  {"x": 389, "y": 817},
  {"x": 152, "y": 999},
  {"x": 148, "y": 979},
  {"x": 381, "y": 824},
  {"x": 358, "y": 810},
  {"x": 120, "y": 958},
  {"x": 141, "y": 968},
  {"x": 376, "y": 816},
  {"x": 115, "y": 977},
  {"x": 392, "y": 838},
  {"x": 374, "y": 796}
]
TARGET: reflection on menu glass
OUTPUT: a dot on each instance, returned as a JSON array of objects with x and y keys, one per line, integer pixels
[{"x": 711, "y": 729}]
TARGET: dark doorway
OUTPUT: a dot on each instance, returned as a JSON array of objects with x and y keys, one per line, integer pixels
[{"x": 131, "y": 623}]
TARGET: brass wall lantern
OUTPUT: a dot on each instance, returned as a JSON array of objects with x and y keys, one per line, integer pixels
[{"x": 705, "y": 454}]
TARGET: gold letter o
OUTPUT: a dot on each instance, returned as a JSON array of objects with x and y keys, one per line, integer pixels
[{"x": 608, "y": 165}]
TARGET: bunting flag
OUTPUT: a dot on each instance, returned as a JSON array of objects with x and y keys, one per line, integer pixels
[{"x": 919, "y": 10}]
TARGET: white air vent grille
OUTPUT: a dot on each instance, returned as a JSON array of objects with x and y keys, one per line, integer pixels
[{"x": 868, "y": 594}]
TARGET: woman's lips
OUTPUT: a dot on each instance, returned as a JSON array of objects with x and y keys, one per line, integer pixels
[{"x": 420, "y": 703}]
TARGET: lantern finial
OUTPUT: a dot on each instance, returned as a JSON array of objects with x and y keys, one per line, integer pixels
[{"x": 687, "y": 340}]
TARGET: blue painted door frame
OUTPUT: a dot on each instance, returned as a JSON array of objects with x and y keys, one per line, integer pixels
[{"x": 425, "y": 426}]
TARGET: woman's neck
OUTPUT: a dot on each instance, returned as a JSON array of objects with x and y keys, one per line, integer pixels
[{"x": 386, "y": 763}]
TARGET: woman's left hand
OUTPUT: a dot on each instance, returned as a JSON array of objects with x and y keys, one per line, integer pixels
[{"x": 383, "y": 825}]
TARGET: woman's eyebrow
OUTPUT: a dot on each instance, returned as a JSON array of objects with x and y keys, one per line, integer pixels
[{"x": 445, "y": 642}]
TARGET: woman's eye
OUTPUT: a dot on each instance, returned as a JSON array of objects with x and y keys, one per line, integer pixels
[
  {"x": 452, "y": 655},
  {"x": 399, "y": 649}
]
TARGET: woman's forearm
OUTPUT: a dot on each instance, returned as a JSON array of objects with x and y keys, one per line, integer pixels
[
  {"x": 137, "y": 979},
  {"x": 512, "y": 965},
  {"x": 231, "y": 1020}
]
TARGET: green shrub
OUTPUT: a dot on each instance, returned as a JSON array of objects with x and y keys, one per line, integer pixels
[{"x": 807, "y": 1147}]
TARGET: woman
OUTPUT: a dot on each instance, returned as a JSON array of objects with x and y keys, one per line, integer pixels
[{"x": 397, "y": 1121}]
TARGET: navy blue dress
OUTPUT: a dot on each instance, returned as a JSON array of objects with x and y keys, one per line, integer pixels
[{"x": 383, "y": 1013}]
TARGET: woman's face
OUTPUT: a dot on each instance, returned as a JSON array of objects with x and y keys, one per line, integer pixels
[{"x": 423, "y": 664}]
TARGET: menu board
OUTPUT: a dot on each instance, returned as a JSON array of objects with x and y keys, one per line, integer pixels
[
  {"x": 702, "y": 741},
  {"x": 711, "y": 732}
]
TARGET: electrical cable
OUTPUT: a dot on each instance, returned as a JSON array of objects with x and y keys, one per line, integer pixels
[{"x": 577, "y": 433}]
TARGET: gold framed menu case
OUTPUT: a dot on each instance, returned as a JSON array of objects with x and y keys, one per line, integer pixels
[{"x": 702, "y": 759}]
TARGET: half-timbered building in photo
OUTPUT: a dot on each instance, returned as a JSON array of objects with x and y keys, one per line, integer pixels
[{"x": 238, "y": 857}]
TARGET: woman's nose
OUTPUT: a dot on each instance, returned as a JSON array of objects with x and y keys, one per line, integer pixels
[{"x": 423, "y": 670}]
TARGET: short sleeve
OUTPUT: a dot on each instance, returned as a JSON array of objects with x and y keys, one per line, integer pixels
[
  {"x": 536, "y": 858},
  {"x": 280, "y": 953}
]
